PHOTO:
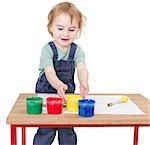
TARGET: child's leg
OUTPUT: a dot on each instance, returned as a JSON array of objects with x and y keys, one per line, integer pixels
[
  {"x": 67, "y": 136},
  {"x": 44, "y": 136}
]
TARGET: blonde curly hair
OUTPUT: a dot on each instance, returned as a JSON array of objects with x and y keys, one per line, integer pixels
[{"x": 66, "y": 8}]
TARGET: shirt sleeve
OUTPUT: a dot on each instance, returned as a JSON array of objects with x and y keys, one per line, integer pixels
[
  {"x": 79, "y": 56},
  {"x": 46, "y": 58}
]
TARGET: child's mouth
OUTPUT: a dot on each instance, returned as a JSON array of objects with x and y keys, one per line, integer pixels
[{"x": 64, "y": 39}]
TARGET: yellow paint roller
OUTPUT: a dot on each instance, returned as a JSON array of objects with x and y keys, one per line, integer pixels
[{"x": 123, "y": 99}]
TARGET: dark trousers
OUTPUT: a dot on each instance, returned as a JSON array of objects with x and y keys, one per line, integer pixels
[{"x": 45, "y": 136}]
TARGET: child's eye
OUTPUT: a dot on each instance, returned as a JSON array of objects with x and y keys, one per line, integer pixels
[
  {"x": 71, "y": 30},
  {"x": 60, "y": 29}
]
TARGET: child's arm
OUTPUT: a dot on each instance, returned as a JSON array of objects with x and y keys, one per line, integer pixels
[
  {"x": 55, "y": 81},
  {"x": 82, "y": 73}
]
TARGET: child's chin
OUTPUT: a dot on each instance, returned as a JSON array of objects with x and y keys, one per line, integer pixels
[{"x": 65, "y": 43}]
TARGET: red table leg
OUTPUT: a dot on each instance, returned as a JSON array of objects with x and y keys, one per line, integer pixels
[
  {"x": 13, "y": 135},
  {"x": 136, "y": 129},
  {"x": 23, "y": 135}
]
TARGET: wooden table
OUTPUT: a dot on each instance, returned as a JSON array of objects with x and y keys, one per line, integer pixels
[{"x": 19, "y": 118}]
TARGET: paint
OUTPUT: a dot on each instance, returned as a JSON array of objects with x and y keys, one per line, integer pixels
[
  {"x": 34, "y": 105},
  {"x": 86, "y": 107},
  {"x": 54, "y": 105},
  {"x": 123, "y": 99},
  {"x": 72, "y": 102}
]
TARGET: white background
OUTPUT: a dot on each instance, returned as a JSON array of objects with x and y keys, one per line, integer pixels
[{"x": 116, "y": 40}]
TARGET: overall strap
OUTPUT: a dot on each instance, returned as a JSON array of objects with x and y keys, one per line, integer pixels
[
  {"x": 53, "y": 47},
  {"x": 72, "y": 51}
]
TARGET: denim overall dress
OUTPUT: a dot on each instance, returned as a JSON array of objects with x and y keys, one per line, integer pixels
[{"x": 65, "y": 72}]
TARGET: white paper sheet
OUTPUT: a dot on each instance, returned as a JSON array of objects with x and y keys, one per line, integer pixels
[
  {"x": 101, "y": 105},
  {"x": 123, "y": 108}
]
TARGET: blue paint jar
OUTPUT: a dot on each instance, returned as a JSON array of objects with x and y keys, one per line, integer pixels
[{"x": 86, "y": 107}]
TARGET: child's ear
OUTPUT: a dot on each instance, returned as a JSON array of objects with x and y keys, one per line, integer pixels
[
  {"x": 78, "y": 34},
  {"x": 50, "y": 31}
]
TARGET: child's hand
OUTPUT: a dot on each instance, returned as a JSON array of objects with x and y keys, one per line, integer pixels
[
  {"x": 61, "y": 90},
  {"x": 84, "y": 89}
]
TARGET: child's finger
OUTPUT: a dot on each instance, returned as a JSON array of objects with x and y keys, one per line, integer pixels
[{"x": 65, "y": 87}]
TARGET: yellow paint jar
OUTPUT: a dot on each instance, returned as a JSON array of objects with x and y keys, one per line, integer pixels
[{"x": 72, "y": 102}]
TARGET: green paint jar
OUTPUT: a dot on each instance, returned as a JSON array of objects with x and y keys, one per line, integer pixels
[{"x": 34, "y": 105}]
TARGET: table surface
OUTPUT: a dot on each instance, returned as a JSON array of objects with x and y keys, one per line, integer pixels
[{"x": 18, "y": 115}]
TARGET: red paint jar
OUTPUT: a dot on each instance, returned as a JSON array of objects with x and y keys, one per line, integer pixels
[{"x": 54, "y": 105}]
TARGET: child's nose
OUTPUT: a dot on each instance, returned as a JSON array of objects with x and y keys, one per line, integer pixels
[{"x": 65, "y": 33}]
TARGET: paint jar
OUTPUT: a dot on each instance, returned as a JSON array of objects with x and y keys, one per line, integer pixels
[
  {"x": 86, "y": 107},
  {"x": 54, "y": 105},
  {"x": 34, "y": 105},
  {"x": 72, "y": 102}
]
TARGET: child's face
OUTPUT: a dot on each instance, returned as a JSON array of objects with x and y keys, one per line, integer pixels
[{"x": 64, "y": 32}]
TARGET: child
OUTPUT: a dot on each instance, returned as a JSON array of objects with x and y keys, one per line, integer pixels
[{"x": 57, "y": 65}]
